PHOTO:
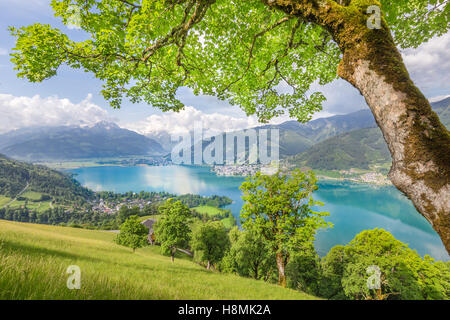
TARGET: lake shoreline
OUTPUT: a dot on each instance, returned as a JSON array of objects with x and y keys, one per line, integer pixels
[
  {"x": 72, "y": 165},
  {"x": 353, "y": 206}
]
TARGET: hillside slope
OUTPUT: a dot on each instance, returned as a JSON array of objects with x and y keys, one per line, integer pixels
[
  {"x": 102, "y": 140},
  {"x": 442, "y": 108},
  {"x": 355, "y": 149},
  {"x": 34, "y": 260},
  {"x": 16, "y": 175}
]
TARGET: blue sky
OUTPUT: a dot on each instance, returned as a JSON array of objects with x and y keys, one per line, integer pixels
[{"x": 73, "y": 96}]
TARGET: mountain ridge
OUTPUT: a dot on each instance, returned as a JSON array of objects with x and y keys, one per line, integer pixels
[
  {"x": 360, "y": 149},
  {"x": 103, "y": 139}
]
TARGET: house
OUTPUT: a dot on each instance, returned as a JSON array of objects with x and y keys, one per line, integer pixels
[{"x": 151, "y": 234}]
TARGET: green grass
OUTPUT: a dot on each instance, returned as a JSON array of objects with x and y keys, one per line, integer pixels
[
  {"x": 212, "y": 211},
  {"x": 17, "y": 204},
  {"x": 38, "y": 206},
  {"x": 32, "y": 195},
  {"x": 4, "y": 200},
  {"x": 34, "y": 260},
  {"x": 328, "y": 173},
  {"x": 229, "y": 222},
  {"x": 154, "y": 217}
]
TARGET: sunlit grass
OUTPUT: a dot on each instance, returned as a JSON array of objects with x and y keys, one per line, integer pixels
[
  {"x": 4, "y": 200},
  {"x": 31, "y": 195},
  {"x": 209, "y": 210},
  {"x": 34, "y": 260},
  {"x": 40, "y": 206}
]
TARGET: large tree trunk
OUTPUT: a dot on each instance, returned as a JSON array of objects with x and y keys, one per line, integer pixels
[
  {"x": 281, "y": 272},
  {"x": 418, "y": 142}
]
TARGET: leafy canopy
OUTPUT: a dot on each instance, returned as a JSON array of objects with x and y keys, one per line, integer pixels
[
  {"x": 403, "y": 273},
  {"x": 249, "y": 255},
  {"x": 280, "y": 208},
  {"x": 172, "y": 228},
  {"x": 210, "y": 242},
  {"x": 133, "y": 234},
  {"x": 246, "y": 52}
]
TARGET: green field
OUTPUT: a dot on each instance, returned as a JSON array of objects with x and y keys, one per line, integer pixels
[
  {"x": 212, "y": 211},
  {"x": 38, "y": 206},
  {"x": 229, "y": 222},
  {"x": 4, "y": 200},
  {"x": 34, "y": 260},
  {"x": 154, "y": 217},
  {"x": 31, "y": 195}
]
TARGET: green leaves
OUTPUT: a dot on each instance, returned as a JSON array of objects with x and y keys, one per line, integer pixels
[
  {"x": 242, "y": 51},
  {"x": 416, "y": 21},
  {"x": 280, "y": 208},
  {"x": 39, "y": 51},
  {"x": 210, "y": 242},
  {"x": 132, "y": 234},
  {"x": 404, "y": 274},
  {"x": 172, "y": 229}
]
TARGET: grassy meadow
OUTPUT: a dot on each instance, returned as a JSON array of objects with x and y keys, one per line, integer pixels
[
  {"x": 4, "y": 200},
  {"x": 209, "y": 210},
  {"x": 34, "y": 259},
  {"x": 214, "y": 211}
]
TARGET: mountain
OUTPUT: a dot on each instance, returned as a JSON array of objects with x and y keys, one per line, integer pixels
[
  {"x": 323, "y": 128},
  {"x": 298, "y": 137},
  {"x": 442, "y": 108},
  {"x": 104, "y": 139},
  {"x": 16, "y": 176},
  {"x": 164, "y": 139},
  {"x": 356, "y": 149}
]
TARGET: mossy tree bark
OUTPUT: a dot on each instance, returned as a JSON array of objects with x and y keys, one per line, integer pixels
[
  {"x": 418, "y": 142},
  {"x": 281, "y": 263}
]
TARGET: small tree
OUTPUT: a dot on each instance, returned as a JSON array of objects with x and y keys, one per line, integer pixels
[
  {"x": 125, "y": 212},
  {"x": 279, "y": 207},
  {"x": 133, "y": 234},
  {"x": 303, "y": 270},
  {"x": 250, "y": 255},
  {"x": 172, "y": 230},
  {"x": 210, "y": 242}
]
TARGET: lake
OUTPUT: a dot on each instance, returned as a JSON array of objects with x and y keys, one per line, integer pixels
[{"x": 353, "y": 207}]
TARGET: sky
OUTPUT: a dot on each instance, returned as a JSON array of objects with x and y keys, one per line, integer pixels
[{"x": 73, "y": 96}]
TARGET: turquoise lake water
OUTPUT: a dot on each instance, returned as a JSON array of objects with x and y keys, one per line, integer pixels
[{"x": 353, "y": 207}]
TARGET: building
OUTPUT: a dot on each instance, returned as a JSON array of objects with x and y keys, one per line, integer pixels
[{"x": 151, "y": 234}]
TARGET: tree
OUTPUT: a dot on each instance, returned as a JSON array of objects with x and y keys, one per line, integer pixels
[
  {"x": 303, "y": 270},
  {"x": 172, "y": 229},
  {"x": 249, "y": 255},
  {"x": 133, "y": 234},
  {"x": 243, "y": 51},
  {"x": 279, "y": 208},
  {"x": 125, "y": 212},
  {"x": 331, "y": 273},
  {"x": 210, "y": 242},
  {"x": 401, "y": 272}
]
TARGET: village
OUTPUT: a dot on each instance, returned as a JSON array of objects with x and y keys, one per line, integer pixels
[{"x": 112, "y": 206}]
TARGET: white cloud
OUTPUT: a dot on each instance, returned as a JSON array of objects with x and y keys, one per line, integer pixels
[
  {"x": 429, "y": 64},
  {"x": 19, "y": 112},
  {"x": 183, "y": 121},
  {"x": 3, "y": 52},
  {"x": 438, "y": 98}
]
